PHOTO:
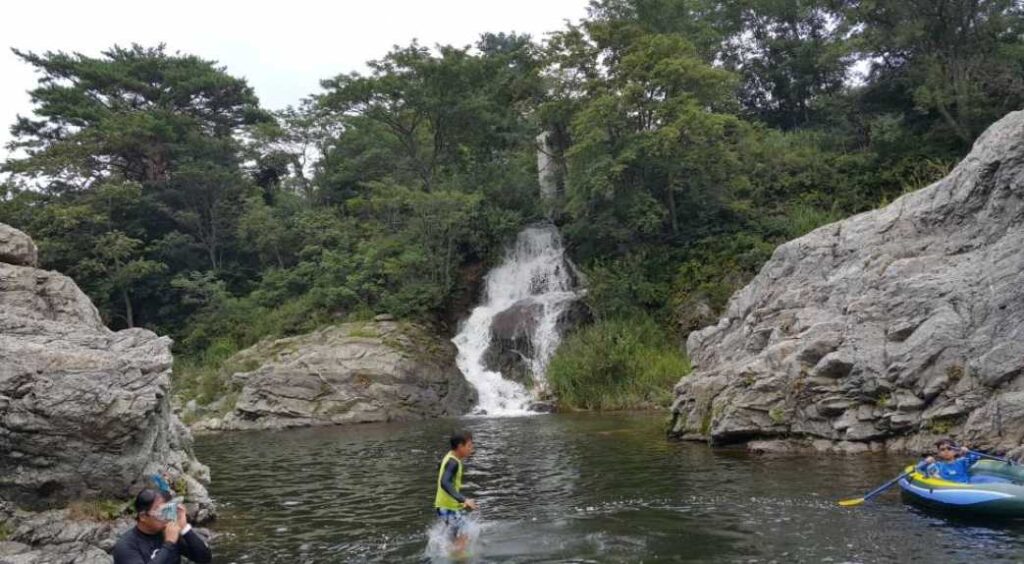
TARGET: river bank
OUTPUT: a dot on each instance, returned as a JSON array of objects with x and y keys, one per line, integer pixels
[{"x": 605, "y": 488}]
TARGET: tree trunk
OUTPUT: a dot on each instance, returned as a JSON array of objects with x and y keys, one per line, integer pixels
[
  {"x": 672, "y": 207},
  {"x": 129, "y": 315}
]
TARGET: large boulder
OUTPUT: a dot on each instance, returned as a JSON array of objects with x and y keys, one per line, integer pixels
[
  {"x": 886, "y": 329},
  {"x": 16, "y": 247},
  {"x": 514, "y": 333},
  {"x": 347, "y": 373},
  {"x": 84, "y": 411}
]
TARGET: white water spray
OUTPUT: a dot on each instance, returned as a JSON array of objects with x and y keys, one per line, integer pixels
[{"x": 535, "y": 269}]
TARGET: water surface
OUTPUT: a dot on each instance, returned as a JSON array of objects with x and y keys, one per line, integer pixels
[{"x": 568, "y": 488}]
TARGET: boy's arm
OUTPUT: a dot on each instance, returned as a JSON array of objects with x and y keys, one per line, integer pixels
[{"x": 448, "y": 481}]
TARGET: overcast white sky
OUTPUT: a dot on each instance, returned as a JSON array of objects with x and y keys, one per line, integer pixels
[{"x": 283, "y": 48}]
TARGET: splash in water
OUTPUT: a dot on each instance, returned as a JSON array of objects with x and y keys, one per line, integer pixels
[
  {"x": 441, "y": 548},
  {"x": 534, "y": 269}
]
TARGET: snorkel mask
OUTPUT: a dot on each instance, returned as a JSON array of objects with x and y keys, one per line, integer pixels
[{"x": 169, "y": 511}]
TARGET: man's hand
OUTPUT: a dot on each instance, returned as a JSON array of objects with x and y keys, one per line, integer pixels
[
  {"x": 182, "y": 516},
  {"x": 929, "y": 460},
  {"x": 470, "y": 504},
  {"x": 964, "y": 451},
  {"x": 172, "y": 532}
]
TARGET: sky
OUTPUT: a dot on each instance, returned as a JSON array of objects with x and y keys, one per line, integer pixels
[{"x": 283, "y": 48}]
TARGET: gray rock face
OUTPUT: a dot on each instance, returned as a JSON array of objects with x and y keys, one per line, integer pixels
[
  {"x": 84, "y": 411},
  {"x": 889, "y": 328},
  {"x": 17, "y": 248},
  {"x": 348, "y": 373},
  {"x": 61, "y": 536},
  {"x": 512, "y": 350}
]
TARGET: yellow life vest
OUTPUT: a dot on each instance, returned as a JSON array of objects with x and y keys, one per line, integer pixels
[{"x": 442, "y": 500}]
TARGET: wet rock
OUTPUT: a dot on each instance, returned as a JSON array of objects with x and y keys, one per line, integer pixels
[
  {"x": 513, "y": 333},
  {"x": 347, "y": 373},
  {"x": 543, "y": 406},
  {"x": 890, "y": 327},
  {"x": 511, "y": 350}
]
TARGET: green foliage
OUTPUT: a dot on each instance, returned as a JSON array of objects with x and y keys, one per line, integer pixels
[
  {"x": 955, "y": 372},
  {"x": 690, "y": 137},
  {"x": 621, "y": 363},
  {"x": 97, "y": 509}
]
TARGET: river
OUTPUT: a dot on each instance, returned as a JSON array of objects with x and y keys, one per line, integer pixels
[{"x": 567, "y": 488}]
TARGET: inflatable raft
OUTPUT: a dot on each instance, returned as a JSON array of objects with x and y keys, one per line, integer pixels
[{"x": 995, "y": 489}]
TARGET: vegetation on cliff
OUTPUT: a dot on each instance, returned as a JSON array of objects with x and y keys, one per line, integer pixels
[{"x": 691, "y": 136}]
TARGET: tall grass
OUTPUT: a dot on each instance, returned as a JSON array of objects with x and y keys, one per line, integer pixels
[{"x": 623, "y": 363}]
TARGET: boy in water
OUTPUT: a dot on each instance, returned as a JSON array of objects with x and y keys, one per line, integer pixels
[
  {"x": 449, "y": 502},
  {"x": 953, "y": 464}
]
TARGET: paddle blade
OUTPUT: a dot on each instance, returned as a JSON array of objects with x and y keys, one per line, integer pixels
[{"x": 851, "y": 502}]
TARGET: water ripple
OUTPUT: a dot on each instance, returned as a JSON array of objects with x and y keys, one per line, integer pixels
[{"x": 567, "y": 488}]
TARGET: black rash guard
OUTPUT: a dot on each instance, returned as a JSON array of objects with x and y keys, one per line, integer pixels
[
  {"x": 448, "y": 480},
  {"x": 136, "y": 547}
]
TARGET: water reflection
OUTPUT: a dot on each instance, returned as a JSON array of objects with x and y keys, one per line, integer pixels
[{"x": 567, "y": 488}]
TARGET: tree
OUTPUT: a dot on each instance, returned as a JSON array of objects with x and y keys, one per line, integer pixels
[
  {"x": 137, "y": 149},
  {"x": 790, "y": 54},
  {"x": 435, "y": 114},
  {"x": 658, "y": 126},
  {"x": 118, "y": 265},
  {"x": 958, "y": 60}
]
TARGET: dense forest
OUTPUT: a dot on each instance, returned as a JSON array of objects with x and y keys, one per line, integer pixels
[{"x": 692, "y": 137}]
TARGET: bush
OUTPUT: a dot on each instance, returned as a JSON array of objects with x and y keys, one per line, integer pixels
[
  {"x": 97, "y": 509},
  {"x": 621, "y": 363}
]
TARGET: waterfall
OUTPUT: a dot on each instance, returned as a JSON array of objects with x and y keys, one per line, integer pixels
[{"x": 535, "y": 277}]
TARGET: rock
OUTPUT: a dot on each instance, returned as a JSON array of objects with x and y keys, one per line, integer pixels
[
  {"x": 72, "y": 553},
  {"x": 347, "y": 373},
  {"x": 543, "y": 406},
  {"x": 891, "y": 327},
  {"x": 62, "y": 537},
  {"x": 384, "y": 317},
  {"x": 511, "y": 350},
  {"x": 84, "y": 411},
  {"x": 17, "y": 248},
  {"x": 514, "y": 332}
]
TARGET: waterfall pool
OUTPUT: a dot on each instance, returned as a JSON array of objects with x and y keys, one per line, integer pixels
[{"x": 568, "y": 488}]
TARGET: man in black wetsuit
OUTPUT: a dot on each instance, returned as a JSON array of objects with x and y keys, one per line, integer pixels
[{"x": 155, "y": 541}]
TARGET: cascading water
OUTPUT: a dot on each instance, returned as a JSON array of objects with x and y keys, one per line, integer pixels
[{"x": 535, "y": 272}]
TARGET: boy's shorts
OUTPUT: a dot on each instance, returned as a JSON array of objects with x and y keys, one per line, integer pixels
[{"x": 454, "y": 521}]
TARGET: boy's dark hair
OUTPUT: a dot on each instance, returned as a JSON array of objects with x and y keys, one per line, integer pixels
[
  {"x": 146, "y": 498},
  {"x": 945, "y": 441},
  {"x": 460, "y": 438}
]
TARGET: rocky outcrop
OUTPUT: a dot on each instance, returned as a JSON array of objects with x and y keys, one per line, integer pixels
[
  {"x": 348, "y": 373},
  {"x": 514, "y": 332},
  {"x": 84, "y": 411},
  {"x": 883, "y": 330},
  {"x": 17, "y": 248}
]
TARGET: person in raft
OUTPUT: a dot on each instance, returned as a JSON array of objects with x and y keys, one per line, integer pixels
[
  {"x": 157, "y": 537},
  {"x": 449, "y": 503},
  {"x": 953, "y": 462}
]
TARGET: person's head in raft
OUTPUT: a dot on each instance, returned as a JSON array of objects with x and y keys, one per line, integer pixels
[
  {"x": 462, "y": 445},
  {"x": 947, "y": 451},
  {"x": 148, "y": 504}
]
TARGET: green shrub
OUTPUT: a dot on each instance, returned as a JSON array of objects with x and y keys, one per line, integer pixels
[
  {"x": 622, "y": 363},
  {"x": 97, "y": 509},
  {"x": 6, "y": 530}
]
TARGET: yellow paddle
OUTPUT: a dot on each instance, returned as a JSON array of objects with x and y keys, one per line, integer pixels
[{"x": 860, "y": 500}]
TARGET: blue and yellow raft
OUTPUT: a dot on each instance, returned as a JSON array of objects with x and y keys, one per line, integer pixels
[{"x": 995, "y": 489}]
